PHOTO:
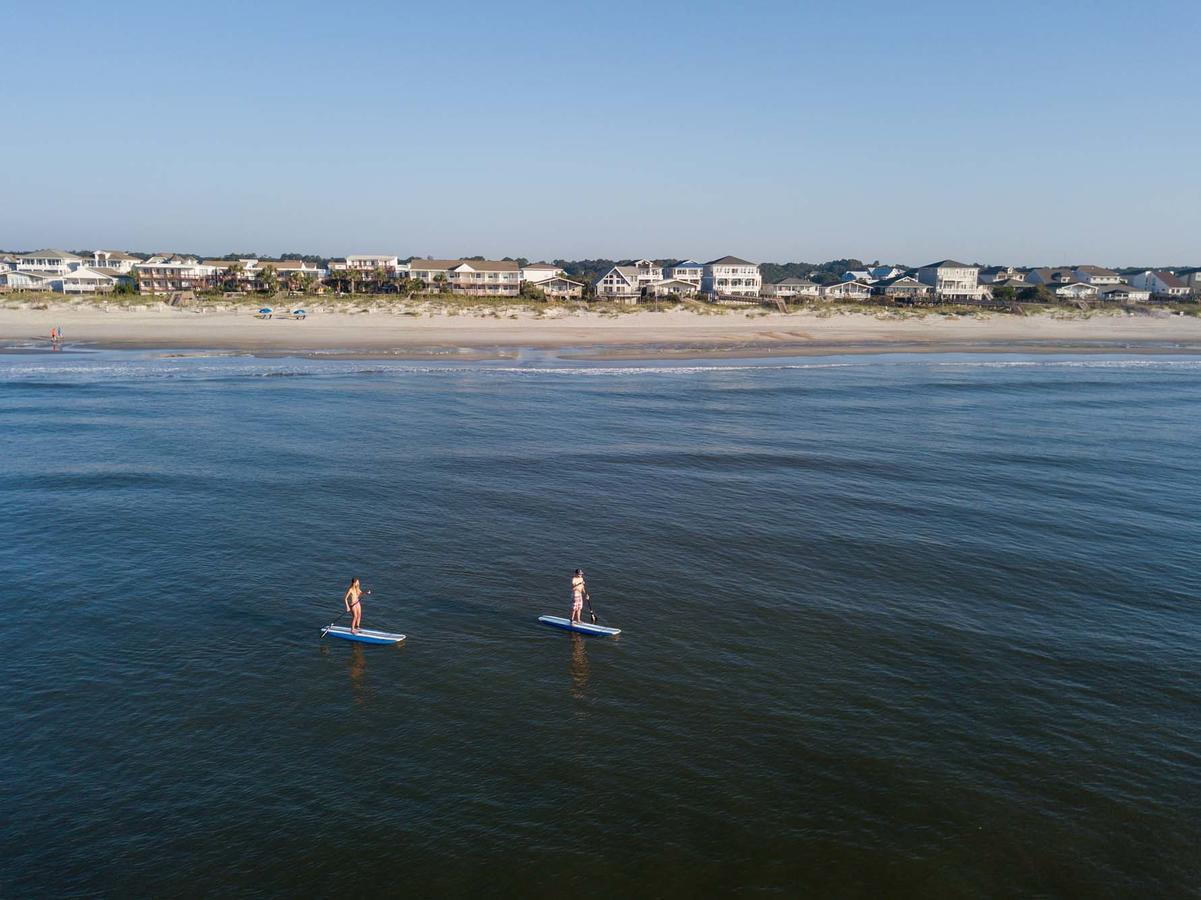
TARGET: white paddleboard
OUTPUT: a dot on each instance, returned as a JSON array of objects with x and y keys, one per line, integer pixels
[
  {"x": 364, "y": 635},
  {"x": 581, "y": 627}
]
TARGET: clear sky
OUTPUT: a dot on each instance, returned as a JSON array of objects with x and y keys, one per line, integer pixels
[{"x": 1024, "y": 132}]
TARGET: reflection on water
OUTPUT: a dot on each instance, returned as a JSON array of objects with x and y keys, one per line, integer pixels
[
  {"x": 579, "y": 667},
  {"x": 358, "y": 668}
]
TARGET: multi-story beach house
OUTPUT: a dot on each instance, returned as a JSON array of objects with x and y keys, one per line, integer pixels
[
  {"x": 1049, "y": 275},
  {"x": 535, "y": 273},
  {"x": 1191, "y": 277},
  {"x": 688, "y": 270},
  {"x": 1162, "y": 284},
  {"x": 731, "y": 277},
  {"x": 84, "y": 280},
  {"x": 1096, "y": 275},
  {"x": 628, "y": 283},
  {"x": 1004, "y": 274},
  {"x": 54, "y": 262},
  {"x": 367, "y": 262},
  {"x": 170, "y": 274},
  {"x": 791, "y": 287},
  {"x": 117, "y": 260},
  {"x": 478, "y": 277},
  {"x": 952, "y": 281}
]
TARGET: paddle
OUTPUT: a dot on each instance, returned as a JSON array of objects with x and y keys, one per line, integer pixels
[{"x": 588, "y": 600}]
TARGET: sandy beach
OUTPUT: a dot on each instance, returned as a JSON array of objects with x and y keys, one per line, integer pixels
[{"x": 679, "y": 333}]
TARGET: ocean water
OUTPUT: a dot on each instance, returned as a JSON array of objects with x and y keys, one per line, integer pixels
[{"x": 893, "y": 626}]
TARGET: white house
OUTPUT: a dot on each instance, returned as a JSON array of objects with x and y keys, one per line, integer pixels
[
  {"x": 53, "y": 261},
  {"x": 629, "y": 282},
  {"x": 1007, "y": 274},
  {"x": 673, "y": 287},
  {"x": 951, "y": 280},
  {"x": 847, "y": 290},
  {"x": 15, "y": 280},
  {"x": 1123, "y": 293},
  {"x": 685, "y": 270},
  {"x": 1163, "y": 285},
  {"x": 367, "y": 262},
  {"x": 112, "y": 259},
  {"x": 905, "y": 287},
  {"x": 1095, "y": 275},
  {"x": 560, "y": 286},
  {"x": 619, "y": 283},
  {"x": 536, "y": 273},
  {"x": 84, "y": 281},
  {"x": 731, "y": 276},
  {"x": 478, "y": 277},
  {"x": 792, "y": 287},
  {"x": 1076, "y": 290}
]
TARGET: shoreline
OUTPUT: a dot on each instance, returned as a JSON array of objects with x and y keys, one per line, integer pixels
[{"x": 681, "y": 334}]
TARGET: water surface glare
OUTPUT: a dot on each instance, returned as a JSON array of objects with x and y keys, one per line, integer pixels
[{"x": 903, "y": 626}]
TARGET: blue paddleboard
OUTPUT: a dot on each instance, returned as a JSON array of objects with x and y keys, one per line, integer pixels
[
  {"x": 581, "y": 627},
  {"x": 365, "y": 635}
]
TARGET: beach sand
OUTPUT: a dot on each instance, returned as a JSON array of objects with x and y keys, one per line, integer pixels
[{"x": 677, "y": 333}]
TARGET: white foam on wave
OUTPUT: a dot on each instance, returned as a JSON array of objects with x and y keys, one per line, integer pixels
[
  {"x": 1186, "y": 364},
  {"x": 188, "y": 369}
]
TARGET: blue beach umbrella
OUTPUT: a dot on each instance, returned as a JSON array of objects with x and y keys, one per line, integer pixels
[{"x": 265, "y": 309}]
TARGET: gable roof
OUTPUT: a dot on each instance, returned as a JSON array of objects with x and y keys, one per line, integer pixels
[
  {"x": 948, "y": 264},
  {"x": 120, "y": 255},
  {"x": 686, "y": 264},
  {"x": 793, "y": 280},
  {"x": 1169, "y": 280},
  {"x": 729, "y": 261},
  {"x": 1095, "y": 270},
  {"x": 49, "y": 254},
  {"x": 543, "y": 266},
  {"x": 479, "y": 265}
]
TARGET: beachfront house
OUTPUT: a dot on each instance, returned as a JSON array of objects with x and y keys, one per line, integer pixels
[
  {"x": 847, "y": 290},
  {"x": 117, "y": 260},
  {"x": 536, "y": 273},
  {"x": 1123, "y": 293},
  {"x": 367, "y": 262},
  {"x": 84, "y": 280},
  {"x": 1192, "y": 278},
  {"x": 904, "y": 287},
  {"x": 1096, "y": 275},
  {"x": 560, "y": 287},
  {"x": 628, "y": 283},
  {"x": 476, "y": 277},
  {"x": 673, "y": 287},
  {"x": 1162, "y": 285},
  {"x": 731, "y": 277},
  {"x": 882, "y": 273},
  {"x": 952, "y": 281},
  {"x": 863, "y": 275},
  {"x": 791, "y": 287},
  {"x": 688, "y": 270},
  {"x": 16, "y": 280},
  {"x": 1075, "y": 290},
  {"x": 170, "y": 274},
  {"x": 1048, "y": 276},
  {"x": 1001, "y": 275},
  {"x": 54, "y": 262}
]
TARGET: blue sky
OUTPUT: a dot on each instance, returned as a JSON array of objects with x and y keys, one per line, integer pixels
[{"x": 1031, "y": 133}]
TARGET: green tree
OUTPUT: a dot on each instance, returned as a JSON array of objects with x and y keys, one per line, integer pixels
[{"x": 268, "y": 280}]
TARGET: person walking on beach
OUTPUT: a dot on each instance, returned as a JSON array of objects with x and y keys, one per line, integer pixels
[
  {"x": 578, "y": 590},
  {"x": 351, "y": 599}
]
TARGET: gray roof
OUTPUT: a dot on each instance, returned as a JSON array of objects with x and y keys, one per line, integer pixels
[
  {"x": 1170, "y": 280},
  {"x": 1095, "y": 270},
  {"x": 948, "y": 264},
  {"x": 729, "y": 261},
  {"x": 50, "y": 254},
  {"x": 795, "y": 281}
]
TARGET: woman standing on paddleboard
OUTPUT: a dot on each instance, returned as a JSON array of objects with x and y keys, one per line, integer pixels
[
  {"x": 353, "y": 606},
  {"x": 577, "y": 596}
]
